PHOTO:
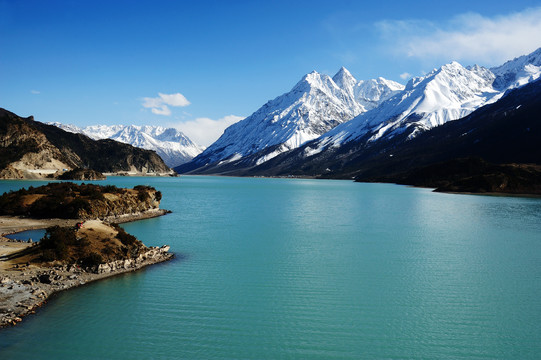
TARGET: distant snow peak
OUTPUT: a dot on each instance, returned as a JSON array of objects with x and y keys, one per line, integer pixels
[{"x": 171, "y": 145}]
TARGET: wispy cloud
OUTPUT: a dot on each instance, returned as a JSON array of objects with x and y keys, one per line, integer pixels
[
  {"x": 35, "y": 92},
  {"x": 405, "y": 75},
  {"x": 204, "y": 131},
  {"x": 468, "y": 37},
  {"x": 160, "y": 105}
]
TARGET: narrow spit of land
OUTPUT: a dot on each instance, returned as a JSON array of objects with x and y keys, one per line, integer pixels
[{"x": 74, "y": 252}]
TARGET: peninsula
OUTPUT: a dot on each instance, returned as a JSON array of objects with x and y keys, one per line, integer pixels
[{"x": 82, "y": 242}]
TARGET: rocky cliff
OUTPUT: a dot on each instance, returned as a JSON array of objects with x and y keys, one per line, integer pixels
[
  {"x": 82, "y": 174},
  {"x": 30, "y": 149}
]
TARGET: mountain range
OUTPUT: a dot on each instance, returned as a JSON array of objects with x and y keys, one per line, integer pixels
[
  {"x": 507, "y": 131},
  {"x": 399, "y": 115},
  {"x": 171, "y": 145},
  {"x": 315, "y": 105},
  {"x": 31, "y": 149}
]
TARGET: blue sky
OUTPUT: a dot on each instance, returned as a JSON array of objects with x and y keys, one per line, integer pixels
[{"x": 214, "y": 62}]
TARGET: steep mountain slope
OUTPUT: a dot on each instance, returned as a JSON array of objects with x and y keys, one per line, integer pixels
[
  {"x": 30, "y": 149},
  {"x": 507, "y": 131},
  {"x": 446, "y": 94},
  {"x": 171, "y": 145},
  {"x": 315, "y": 105}
]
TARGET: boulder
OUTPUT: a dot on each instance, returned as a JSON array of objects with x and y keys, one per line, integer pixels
[{"x": 44, "y": 278}]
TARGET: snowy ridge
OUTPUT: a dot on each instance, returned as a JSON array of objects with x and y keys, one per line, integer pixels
[
  {"x": 518, "y": 72},
  {"x": 171, "y": 145},
  {"x": 315, "y": 105},
  {"x": 448, "y": 93}
]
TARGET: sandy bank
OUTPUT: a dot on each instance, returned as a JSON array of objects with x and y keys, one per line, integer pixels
[{"x": 14, "y": 224}]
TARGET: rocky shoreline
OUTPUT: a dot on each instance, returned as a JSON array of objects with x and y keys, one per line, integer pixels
[{"x": 24, "y": 287}]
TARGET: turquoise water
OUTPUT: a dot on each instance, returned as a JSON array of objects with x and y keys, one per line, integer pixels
[
  {"x": 34, "y": 235},
  {"x": 308, "y": 269}
]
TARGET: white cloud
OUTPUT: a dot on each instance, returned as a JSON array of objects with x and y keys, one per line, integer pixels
[
  {"x": 174, "y": 99},
  {"x": 161, "y": 110},
  {"x": 159, "y": 105},
  {"x": 205, "y": 131},
  {"x": 468, "y": 37},
  {"x": 35, "y": 92},
  {"x": 152, "y": 102},
  {"x": 405, "y": 75}
]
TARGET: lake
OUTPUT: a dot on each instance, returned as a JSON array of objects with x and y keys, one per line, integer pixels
[{"x": 308, "y": 269}]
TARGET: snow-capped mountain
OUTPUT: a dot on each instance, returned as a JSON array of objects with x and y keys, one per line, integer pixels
[
  {"x": 98, "y": 132},
  {"x": 367, "y": 93},
  {"x": 171, "y": 145},
  {"x": 315, "y": 105},
  {"x": 518, "y": 72},
  {"x": 448, "y": 93}
]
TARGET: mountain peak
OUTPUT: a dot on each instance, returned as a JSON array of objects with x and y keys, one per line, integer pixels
[
  {"x": 313, "y": 80},
  {"x": 344, "y": 79},
  {"x": 342, "y": 72},
  {"x": 452, "y": 66}
]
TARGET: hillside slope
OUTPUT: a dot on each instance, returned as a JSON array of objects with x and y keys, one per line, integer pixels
[{"x": 30, "y": 149}]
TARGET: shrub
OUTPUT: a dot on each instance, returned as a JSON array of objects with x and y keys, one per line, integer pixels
[
  {"x": 143, "y": 196},
  {"x": 76, "y": 206},
  {"x": 125, "y": 238},
  {"x": 91, "y": 191},
  {"x": 112, "y": 189},
  {"x": 56, "y": 242},
  {"x": 92, "y": 259},
  {"x": 143, "y": 187},
  {"x": 108, "y": 250},
  {"x": 48, "y": 255}
]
